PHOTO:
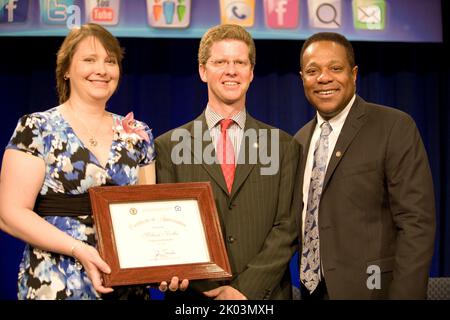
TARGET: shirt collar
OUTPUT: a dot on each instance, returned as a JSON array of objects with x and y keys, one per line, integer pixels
[
  {"x": 213, "y": 118},
  {"x": 339, "y": 119}
]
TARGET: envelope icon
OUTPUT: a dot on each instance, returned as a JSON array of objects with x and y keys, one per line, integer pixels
[{"x": 369, "y": 14}]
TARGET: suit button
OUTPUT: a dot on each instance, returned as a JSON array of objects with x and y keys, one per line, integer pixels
[
  {"x": 231, "y": 239},
  {"x": 231, "y": 206}
]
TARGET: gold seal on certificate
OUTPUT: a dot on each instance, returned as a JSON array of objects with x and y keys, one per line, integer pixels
[{"x": 149, "y": 233}]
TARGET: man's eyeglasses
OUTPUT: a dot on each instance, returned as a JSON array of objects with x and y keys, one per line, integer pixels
[{"x": 223, "y": 63}]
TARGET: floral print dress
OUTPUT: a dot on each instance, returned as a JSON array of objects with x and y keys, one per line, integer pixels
[{"x": 71, "y": 169}]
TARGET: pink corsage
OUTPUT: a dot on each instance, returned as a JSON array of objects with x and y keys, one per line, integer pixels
[{"x": 129, "y": 130}]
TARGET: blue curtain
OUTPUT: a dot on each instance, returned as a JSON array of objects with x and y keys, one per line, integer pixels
[{"x": 161, "y": 85}]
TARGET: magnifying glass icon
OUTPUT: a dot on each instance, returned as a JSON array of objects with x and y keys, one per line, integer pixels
[{"x": 327, "y": 13}]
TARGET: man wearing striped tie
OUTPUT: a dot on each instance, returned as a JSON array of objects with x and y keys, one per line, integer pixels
[{"x": 251, "y": 167}]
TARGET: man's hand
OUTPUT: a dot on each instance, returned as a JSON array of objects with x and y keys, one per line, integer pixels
[
  {"x": 174, "y": 285},
  {"x": 225, "y": 293}
]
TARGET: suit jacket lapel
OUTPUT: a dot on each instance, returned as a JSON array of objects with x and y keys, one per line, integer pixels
[
  {"x": 214, "y": 169},
  {"x": 353, "y": 123},
  {"x": 243, "y": 168},
  {"x": 305, "y": 141}
]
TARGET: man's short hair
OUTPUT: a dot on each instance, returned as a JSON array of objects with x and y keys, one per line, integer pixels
[
  {"x": 225, "y": 32},
  {"x": 330, "y": 36}
]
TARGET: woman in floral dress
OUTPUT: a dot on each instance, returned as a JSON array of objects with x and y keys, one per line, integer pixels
[{"x": 55, "y": 156}]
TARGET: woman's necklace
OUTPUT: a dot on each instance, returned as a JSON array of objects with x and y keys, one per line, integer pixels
[{"x": 93, "y": 142}]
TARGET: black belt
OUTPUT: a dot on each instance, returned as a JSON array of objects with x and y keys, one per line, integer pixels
[{"x": 63, "y": 205}]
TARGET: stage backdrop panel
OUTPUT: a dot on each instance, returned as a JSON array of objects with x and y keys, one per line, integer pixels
[{"x": 370, "y": 20}]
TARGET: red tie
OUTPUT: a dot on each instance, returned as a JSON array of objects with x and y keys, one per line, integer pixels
[{"x": 225, "y": 153}]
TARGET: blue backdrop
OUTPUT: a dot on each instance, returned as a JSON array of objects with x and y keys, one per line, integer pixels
[{"x": 161, "y": 85}]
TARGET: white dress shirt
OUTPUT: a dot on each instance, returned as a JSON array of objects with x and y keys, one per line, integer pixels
[
  {"x": 336, "y": 124},
  {"x": 235, "y": 131}
]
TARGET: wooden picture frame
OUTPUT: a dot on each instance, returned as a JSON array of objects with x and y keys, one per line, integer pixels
[{"x": 149, "y": 233}]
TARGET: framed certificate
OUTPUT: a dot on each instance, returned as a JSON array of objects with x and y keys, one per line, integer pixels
[{"x": 149, "y": 233}]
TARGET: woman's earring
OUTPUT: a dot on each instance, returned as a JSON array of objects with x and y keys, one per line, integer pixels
[{"x": 66, "y": 77}]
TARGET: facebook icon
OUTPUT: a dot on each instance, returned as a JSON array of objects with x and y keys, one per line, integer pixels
[{"x": 13, "y": 11}]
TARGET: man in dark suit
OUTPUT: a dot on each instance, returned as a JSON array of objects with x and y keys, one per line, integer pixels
[
  {"x": 253, "y": 191},
  {"x": 368, "y": 219}
]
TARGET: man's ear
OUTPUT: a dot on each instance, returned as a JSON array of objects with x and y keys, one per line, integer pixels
[
  {"x": 355, "y": 73},
  {"x": 202, "y": 72}
]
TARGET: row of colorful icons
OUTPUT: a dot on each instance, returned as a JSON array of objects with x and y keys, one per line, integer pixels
[{"x": 279, "y": 14}]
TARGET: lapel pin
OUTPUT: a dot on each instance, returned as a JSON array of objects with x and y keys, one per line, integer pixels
[{"x": 338, "y": 154}]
